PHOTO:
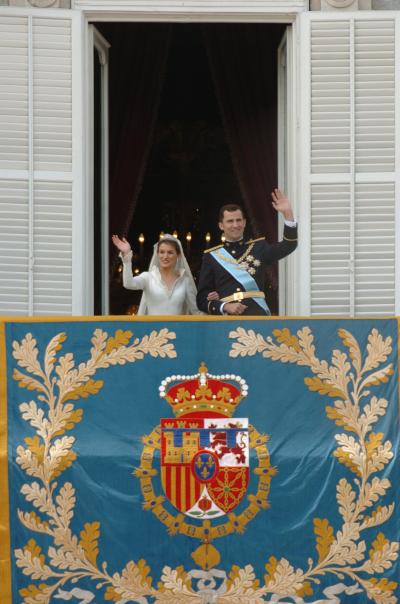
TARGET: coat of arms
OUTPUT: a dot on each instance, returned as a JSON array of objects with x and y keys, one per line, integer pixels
[
  {"x": 204, "y": 464},
  {"x": 205, "y": 461}
]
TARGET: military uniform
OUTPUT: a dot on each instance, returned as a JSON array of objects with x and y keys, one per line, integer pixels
[{"x": 254, "y": 256}]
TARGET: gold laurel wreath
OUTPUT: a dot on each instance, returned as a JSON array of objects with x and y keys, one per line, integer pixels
[
  {"x": 59, "y": 383},
  {"x": 49, "y": 453},
  {"x": 363, "y": 452}
]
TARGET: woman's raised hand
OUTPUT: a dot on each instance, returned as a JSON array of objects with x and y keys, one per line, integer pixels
[{"x": 121, "y": 244}]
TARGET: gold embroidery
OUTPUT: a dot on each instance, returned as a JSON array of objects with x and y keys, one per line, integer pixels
[
  {"x": 177, "y": 524},
  {"x": 246, "y": 262},
  {"x": 363, "y": 452},
  {"x": 211, "y": 249},
  {"x": 45, "y": 456},
  {"x": 236, "y": 260},
  {"x": 255, "y": 240},
  {"x": 348, "y": 380}
]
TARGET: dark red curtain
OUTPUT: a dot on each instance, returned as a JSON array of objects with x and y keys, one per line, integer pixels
[
  {"x": 243, "y": 63},
  {"x": 138, "y": 56},
  {"x": 244, "y": 68}
]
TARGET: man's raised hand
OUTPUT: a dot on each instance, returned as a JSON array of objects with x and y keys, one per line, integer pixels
[{"x": 282, "y": 204}]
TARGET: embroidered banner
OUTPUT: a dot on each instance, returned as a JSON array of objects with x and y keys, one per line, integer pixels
[{"x": 202, "y": 460}]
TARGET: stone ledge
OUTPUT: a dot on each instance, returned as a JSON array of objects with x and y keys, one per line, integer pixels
[{"x": 38, "y": 3}]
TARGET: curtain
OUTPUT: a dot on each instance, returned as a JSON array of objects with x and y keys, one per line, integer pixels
[
  {"x": 243, "y": 64},
  {"x": 140, "y": 52}
]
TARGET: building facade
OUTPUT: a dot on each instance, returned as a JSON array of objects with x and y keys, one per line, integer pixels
[{"x": 338, "y": 147}]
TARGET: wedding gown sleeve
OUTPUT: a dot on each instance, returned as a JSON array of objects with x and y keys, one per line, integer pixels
[
  {"x": 128, "y": 280},
  {"x": 190, "y": 302}
]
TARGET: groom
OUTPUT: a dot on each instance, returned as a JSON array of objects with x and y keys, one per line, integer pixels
[{"x": 236, "y": 269}]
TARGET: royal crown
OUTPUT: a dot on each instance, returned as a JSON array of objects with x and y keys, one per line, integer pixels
[{"x": 203, "y": 393}]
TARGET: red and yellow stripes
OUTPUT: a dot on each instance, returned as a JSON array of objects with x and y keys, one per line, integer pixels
[{"x": 180, "y": 486}]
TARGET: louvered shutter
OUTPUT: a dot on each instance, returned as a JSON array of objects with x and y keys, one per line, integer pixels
[
  {"x": 349, "y": 162},
  {"x": 37, "y": 169}
]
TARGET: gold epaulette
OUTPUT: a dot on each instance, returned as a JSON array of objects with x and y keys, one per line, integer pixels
[
  {"x": 211, "y": 249},
  {"x": 254, "y": 240}
]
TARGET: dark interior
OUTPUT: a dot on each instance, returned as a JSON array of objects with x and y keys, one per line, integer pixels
[{"x": 192, "y": 150}]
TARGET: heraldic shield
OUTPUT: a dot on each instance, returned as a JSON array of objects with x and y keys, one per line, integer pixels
[
  {"x": 205, "y": 464},
  {"x": 204, "y": 451}
]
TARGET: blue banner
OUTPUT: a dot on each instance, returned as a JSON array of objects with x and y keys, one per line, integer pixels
[{"x": 201, "y": 460}]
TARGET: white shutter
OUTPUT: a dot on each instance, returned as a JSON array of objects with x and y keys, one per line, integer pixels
[
  {"x": 375, "y": 246},
  {"x": 374, "y": 95},
  {"x": 14, "y": 93},
  {"x": 330, "y": 249},
  {"x": 37, "y": 169},
  {"x": 14, "y": 247},
  {"x": 14, "y": 156},
  {"x": 52, "y": 276},
  {"x": 330, "y": 97},
  {"x": 349, "y": 161},
  {"x": 52, "y": 94}
]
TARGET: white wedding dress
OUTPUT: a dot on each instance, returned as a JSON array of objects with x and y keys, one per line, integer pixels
[{"x": 157, "y": 297}]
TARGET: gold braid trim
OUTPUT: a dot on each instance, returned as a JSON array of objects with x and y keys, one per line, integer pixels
[
  {"x": 211, "y": 249},
  {"x": 254, "y": 240},
  {"x": 237, "y": 260}
]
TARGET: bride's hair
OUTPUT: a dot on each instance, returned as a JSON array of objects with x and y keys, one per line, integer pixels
[{"x": 171, "y": 242}]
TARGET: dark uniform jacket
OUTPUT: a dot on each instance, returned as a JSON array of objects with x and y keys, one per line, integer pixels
[{"x": 214, "y": 277}]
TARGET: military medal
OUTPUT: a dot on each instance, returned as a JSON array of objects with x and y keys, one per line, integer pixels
[{"x": 246, "y": 262}]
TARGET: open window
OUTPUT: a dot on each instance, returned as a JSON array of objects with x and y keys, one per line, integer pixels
[
  {"x": 54, "y": 160},
  {"x": 287, "y": 160},
  {"x": 98, "y": 162},
  {"x": 211, "y": 134}
]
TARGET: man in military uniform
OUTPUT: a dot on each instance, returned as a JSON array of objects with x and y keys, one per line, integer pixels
[{"x": 236, "y": 270}]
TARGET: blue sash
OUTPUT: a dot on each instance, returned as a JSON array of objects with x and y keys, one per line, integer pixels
[{"x": 245, "y": 279}]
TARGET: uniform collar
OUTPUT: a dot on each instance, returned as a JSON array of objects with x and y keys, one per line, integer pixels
[
  {"x": 235, "y": 247},
  {"x": 229, "y": 244}
]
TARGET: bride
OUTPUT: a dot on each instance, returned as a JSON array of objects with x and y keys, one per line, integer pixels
[{"x": 168, "y": 286}]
